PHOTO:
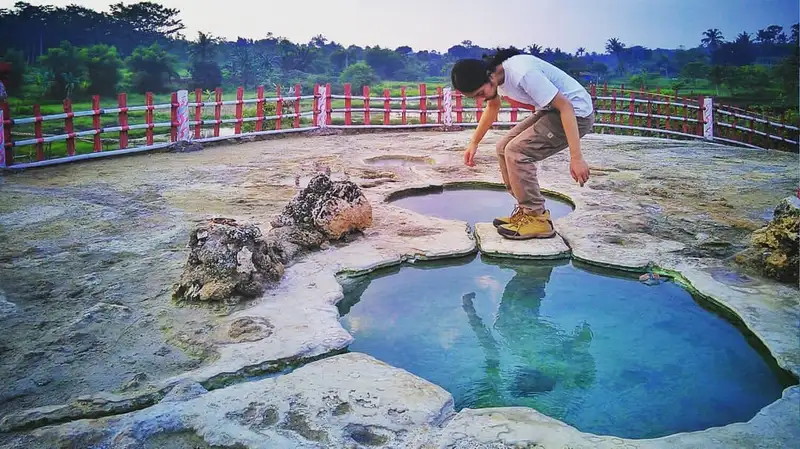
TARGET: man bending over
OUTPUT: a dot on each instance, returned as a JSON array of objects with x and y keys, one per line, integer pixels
[{"x": 563, "y": 114}]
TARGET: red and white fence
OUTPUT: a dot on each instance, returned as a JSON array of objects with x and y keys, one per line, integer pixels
[{"x": 618, "y": 111}]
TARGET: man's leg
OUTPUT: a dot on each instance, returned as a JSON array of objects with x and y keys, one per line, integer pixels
[
  {"x": 542, "y": 140},
  {"x": 501, "y": 151}
]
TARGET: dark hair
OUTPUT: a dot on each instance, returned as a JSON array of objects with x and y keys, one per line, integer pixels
[{"x": 470, "y": 74}]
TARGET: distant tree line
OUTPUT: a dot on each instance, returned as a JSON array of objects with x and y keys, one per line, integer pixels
[{"x": 74, "y": 51}]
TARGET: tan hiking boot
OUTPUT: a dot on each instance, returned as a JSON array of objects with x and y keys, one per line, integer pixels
[
  {"x": 499, "y": 221},
  {"x": 529, "y": 226}
]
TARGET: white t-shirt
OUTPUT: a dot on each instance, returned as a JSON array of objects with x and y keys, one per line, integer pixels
[{"x": 533, "y": 81}]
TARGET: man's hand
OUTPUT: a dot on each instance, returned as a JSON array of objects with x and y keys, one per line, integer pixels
[
  {"x": 579, "y": 170},
  {"x": 469, "y": 155}
]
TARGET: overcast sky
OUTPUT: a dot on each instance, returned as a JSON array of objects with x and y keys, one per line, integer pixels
[{"x": 567, "y": 24}]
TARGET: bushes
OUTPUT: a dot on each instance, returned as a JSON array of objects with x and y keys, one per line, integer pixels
[
  {"x": 153, "y": 68},
  {"x": 15, "y": 79}
]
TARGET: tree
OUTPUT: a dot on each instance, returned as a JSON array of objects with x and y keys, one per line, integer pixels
[
  {"x": 716, "y": 75},
  {"x": 769, "y": 35},
  {"x": 787, "y": 72},
  {"x": 152, "y": 68},
  {"x": 359, "y": 75},
  {"x": 615, "y": 47},
  {"x": 694, "y": 71},
  {"x": 580, "y": 51},
  {"x": 794, "y": 38},
  {"x": 385, "y": 62},
  {"x": 206, "y": 73},
  {"x": 712, "y": 39},
  {"x": 148, "y": 18},
  {"x": 103, "y": 66},
  {"x": 535, "y": 50},
  {"x": 67, "y": 67},
  {"x": 16, "y": 77}
]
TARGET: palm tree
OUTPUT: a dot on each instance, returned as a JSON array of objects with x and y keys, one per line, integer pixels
[
  {"x": 764, "y": 37},
  {"x": 535, "y": 49},
  {"x": 713, "y": 38},
  {"x": 615, "y": 47},
  {"x": 743, "y": 39},
  {"x": 205, "y": 47},
  {"x": 580, "y": 51}
]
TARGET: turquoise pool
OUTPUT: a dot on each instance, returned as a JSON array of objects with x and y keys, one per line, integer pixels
[
  {"x": 470, "y": 204},
  {"x": 596, "y": 349}
]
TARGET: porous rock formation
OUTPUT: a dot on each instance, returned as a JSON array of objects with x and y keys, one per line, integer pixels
[
  {"x": 228, "y": 260},
  {"x": 225, "y": 259},
  {"x": 774, "y": 248},
  {"x": 334, "y": 208}
]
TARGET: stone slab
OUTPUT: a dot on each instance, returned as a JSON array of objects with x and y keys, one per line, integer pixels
[
  {"x": 350, "y": 400},
  {"x": 493, "y": 244}
]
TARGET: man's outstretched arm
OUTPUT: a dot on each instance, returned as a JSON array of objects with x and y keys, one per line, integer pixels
[{"x": 578, "y": 167}]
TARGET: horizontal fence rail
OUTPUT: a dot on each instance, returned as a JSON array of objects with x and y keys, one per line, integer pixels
[{"x": 102, "y": 131}]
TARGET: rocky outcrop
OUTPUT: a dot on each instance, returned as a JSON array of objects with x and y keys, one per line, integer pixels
[
  {"x": 316, "y": 406},
  {"x": 774, "y": 248},
  {"x": 228, "y": 260},
  {"x": 334, "y": 208}
]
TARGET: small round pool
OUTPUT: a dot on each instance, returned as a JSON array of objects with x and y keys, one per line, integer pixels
[
  {"x": 473, "y": 204},
  {"x": 596, "y": 349}
]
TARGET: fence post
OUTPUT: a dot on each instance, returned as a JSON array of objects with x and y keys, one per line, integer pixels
[
  {"x": 386, "y": 106},
  {"x": 448, "y": 106},
  {"x": 260, "y": 108},
  {"x": 631, "y": 110},
  {"x": 322, "y": 108},
  {"x": 237, "y": 128},
  {"x": 198, "y": 112},
  {"x": 2, "y": 137},
  {"x": 297, "y": 91},
  {"x": 439, "y": 105},
  {"x": 708, "y": 117},
  {"x": 459, "y": 108},
  {"x": 348, "y": 104},
  {"x": 37, "y": 132},
  {"x": 328, "y": 104},
  {"x": 183, "y": 116},
  {"x": 366, "y": 105},
  {"x": 173, "y": 117},
  {"x": 613, "y": 110},
  {"x": 217, "y": 110},
  {"x": 403, "y": 119},
  {"x": 148, "y": 117},
  {"x": 423, "y": 104},
  {"x": 122, "y": 118},
  {"x": 69, "y": 128},
  {"x": 98, "y": 146},
  {"x": 315, "y": 105}
]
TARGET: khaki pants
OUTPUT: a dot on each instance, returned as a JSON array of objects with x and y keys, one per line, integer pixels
[{"x": 538, "y": 137}]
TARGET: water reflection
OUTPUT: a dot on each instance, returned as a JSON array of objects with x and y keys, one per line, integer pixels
[{"x": 530, "y": 356}]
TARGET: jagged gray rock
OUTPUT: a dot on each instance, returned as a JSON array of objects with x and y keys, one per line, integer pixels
[
  {"x": 228, "y": 259},
  {"x": 334, "y": 208}
]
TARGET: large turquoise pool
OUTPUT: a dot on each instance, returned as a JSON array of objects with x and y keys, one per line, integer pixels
[{"x": 598, "y": 350}]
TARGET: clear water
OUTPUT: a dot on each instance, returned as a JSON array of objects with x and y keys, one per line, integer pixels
[
  {"x": 598, "y": 350},
  {"x": 472, "y": 205}
]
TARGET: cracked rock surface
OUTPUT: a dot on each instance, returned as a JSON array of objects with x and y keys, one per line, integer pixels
[{"x": 100, "y": 245}]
